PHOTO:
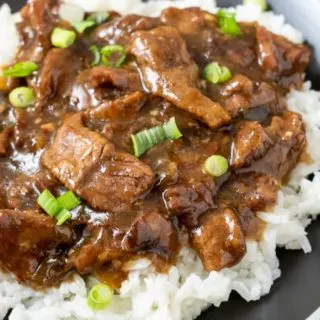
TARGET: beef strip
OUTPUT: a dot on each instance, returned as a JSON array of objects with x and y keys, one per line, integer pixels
[
  {"x": 219, "y": 240},
  {"x": 88, "y": 164},
  {"x": 173, "y": 75},
  {"x": 24, "y": 251},
  {"x": 5, "y": 137}
]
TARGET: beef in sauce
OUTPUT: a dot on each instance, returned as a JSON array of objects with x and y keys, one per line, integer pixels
[{"x": 77, "y": 137}]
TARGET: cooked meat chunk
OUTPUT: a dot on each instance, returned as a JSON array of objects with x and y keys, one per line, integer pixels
[
  {"x": 28, "y": 240},
  {"x": 242, "y": 94},
  {"x": 288, "y": 135},
  {"x": 57, "y": 75},
  {"x": 151, "y": 232},
  {"x": 277, "y": 55},
  {"x": 5, "y": 136},
  {"x": 250, "y": 144},
  {"x": 219, "y": 240},
  {"x": 172, "y": 75},
  {"x": 88, "y": 164},
  {"x": 94, "y": 86}
]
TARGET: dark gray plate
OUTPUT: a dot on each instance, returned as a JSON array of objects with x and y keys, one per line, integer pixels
[{"x": 297, "y": 293}]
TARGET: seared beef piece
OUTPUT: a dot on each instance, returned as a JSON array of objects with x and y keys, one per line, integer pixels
[
  {"x": 169, "y": 72},
  {"x": 5, "y": 136},
  {"x": 191, "y": 199},
  {"x": 250, "y": 144},
  {"x": 119, "y": 30},
  {"x": 151, "y": 233},
  {"x": 32, "y": 247},
  {"x": 57, "y": 74},
  {"x": 280, "y": 57},
  {"x": 206, "y": 43},
  {"x": 288, "y": 135},
  {"x": 241, "y": 94},
  {"x": 219, "y": 240},
  {"x": 88, "y": 164},
  {"x": 94, "y": 86},
  {"x": 39, "y": 19}
]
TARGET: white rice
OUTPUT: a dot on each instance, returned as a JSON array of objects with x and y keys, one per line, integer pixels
[{"x": 187, "y": 289}]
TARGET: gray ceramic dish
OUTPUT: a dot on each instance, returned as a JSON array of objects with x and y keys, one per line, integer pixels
[{"x": 297, "y": 293}]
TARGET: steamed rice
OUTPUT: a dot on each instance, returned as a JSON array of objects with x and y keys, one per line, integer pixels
[{"x": 187, "y": 289}]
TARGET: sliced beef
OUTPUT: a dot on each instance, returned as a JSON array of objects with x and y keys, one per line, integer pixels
[
  {"x": 88, "y": 164},
  {"x": 152, "y": 233},
  {"x": 57, "y": 74},
  {"x": 119, "y": 30},
  {"x": 33, "y": 247},
  {"x": 219, "y": 240},
  {"x": 5, "y": 137},
  {"x": 39, "y": 19},
  {"x": 280, "y": 57},
  {"x": 98, "y": 85},
  {"x": 241, "y": 94},
  {"x": 169, "y": 72},
  {"x": 250, "y": 144},
  {"x": 289, "y": 137}
]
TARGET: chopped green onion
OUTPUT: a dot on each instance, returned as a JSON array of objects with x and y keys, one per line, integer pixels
[
  {"x": 49, "y": 203},
  {"x": 96, "y": 54},
  {"x": 149, "y": 138},
  {"x": 63, "y": 216},
  {"x": 215, "y": 73},
  {"x": 20, "y": 69},
  {"x": 62, "y": 38},
  {"x": 98, "y": 17},
  {"x": 82, "y": 26},
  {"x": 69, "y": 200},
  {"x": 261, "y": 3},
  {"x": 21, "y": 97},
  {"x": 216, "y": 166},
  {"x": 99, "y": 297},
  {"x": 228, "y": 24},
  {"x": 113, "y": 55}
]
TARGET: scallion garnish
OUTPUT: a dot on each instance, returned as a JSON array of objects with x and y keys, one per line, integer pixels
[
  {"x": 216, "y": 166},
  {"x": 261, "y": 3},
  {"x": 49, "y": 203},
  {"x": 21, "y": 97},
  {"x": 149, "y": 138},
  {"x": 228, "y": 24},
  {"x": 99, "y": 16},
  {"x": 20, "y": 69},
  {"x": 99, "y": 297},
  {"x": 68, "y": 200},
  {"x": 215, "y": 73},
  {"x": 113, "y": 55},
  {"x": 63, "y": 216},
  {"x": 82, "y": 26},
  {"x": 63, "y": 38},
  {"x": 96, "y": 55}
]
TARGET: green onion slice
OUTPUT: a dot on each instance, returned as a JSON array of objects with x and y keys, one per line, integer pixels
[
  {"x": 82, "y": 26},
  {"x": 228, "y": 23},
  {"x": 62, "y": 38},
  {"x": 21, "y": 97},
  {"x": 49, "y": 203},
  {"x": 149, "y": 138},
  {"x": 261, "y": 3},
  {"x": 20, "y": 69},
  {"x": 215, "y": 73},
  {"x": 216, "y": 166},
  {"x": 113, "y": 55},
  {"x": 63, "y": 216},
  {"x": 98, "y": 17},
  {"x": 96, "y": 55},
  {"x": 69, "y": 200},
  {"x": 99, "y": 297}
]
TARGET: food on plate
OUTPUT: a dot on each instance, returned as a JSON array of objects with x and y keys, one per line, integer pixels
[{"x": 128, "y": 138}]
